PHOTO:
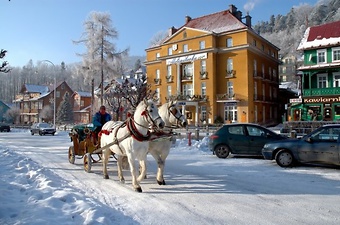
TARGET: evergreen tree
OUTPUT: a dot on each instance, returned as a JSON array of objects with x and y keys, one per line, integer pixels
[{"x": 65, "y": 111}]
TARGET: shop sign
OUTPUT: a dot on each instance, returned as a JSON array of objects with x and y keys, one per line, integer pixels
[
  {"x": 295, "y": 100},
  {"x": 188, "y": 58},
  {"x": 321, "y": 100}
]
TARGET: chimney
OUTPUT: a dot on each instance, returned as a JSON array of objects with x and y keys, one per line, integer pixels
[
  {"x": 238, "y": 15},
  {"x": 232, "y": 9},
  {"x": 248, "y": 20},
  {"x": 172, "y": 30},
  {"x": 187, "y": 19}
]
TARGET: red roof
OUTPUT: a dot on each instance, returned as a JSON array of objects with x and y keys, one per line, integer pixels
[
  {"x": 217, "y": 22},
  {"x": 329, "y": 30}
]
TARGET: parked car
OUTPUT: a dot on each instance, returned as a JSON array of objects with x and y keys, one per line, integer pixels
[
  {"x": 241, "y": 138},
  {"x": 321, "y": 146},
  {"x": 42, "y": 129},
  {"x": 4, "y": 127}
]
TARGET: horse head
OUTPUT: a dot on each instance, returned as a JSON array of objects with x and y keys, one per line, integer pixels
[
  {"x": 149, "y": 111},
  {"x": 175, "y": 115}
]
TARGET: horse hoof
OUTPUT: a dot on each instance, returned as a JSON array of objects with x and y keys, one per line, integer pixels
[
  {"x": 161, "y": 182},
  {"x": 138, "y": 189},
  {"x": 106, "y": 176}
]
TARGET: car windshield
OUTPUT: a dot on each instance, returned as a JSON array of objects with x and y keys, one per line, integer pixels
[
  {"x": 328, "y": 133},
  {"x": 44, "y": 125}
]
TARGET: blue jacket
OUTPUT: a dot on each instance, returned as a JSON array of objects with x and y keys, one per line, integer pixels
[{"x": 97, "y": 119}]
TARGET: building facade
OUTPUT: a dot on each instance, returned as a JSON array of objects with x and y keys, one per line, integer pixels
[
  {"x": 320, "y": 75},
  {"x": 36, "y": 102},
  {"x": 82, "y": 107},
  {"x": 218, "y": 68}
]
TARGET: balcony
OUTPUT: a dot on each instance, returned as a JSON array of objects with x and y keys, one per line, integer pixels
[
  {"x": 186, "y": 77},
  {"x": 193, "y": 98},
  {"x": 169, "y": 79},
  {"x": 230, "y": 74},
  {"x": 204, "y": 75},
  {"x": 321, "y": 91},
  {"x": 224, "y": 97},
  {"x": 157, "y": 81}
]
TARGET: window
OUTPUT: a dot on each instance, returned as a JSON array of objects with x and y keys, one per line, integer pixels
[
  {"x": 170, "y": 51},
  {"x": 336, "y": 80},
  {"x": 203, "y": 66},
  {"x": 187, "y": 70},
  {"x": 158, "y": 92},
  {"x": 158, "y": 55},
  {"x": 274, "y": 73},
  {"x": 230, "y": 113},
  {"x": 229, "y": 65},
  {"x": 203, "y": 88},
  {"x": 255, "y": 90},
  {"x": 230, "y": 88},
  {"x": 262, "y": 47},
  {"x": 337, "y": 110},
  {"x": 236, "y": 130},
  {"x": 202, "y": 45},
  {"x": 168, "y": 91},
  {"x": 263, "y": 92},
  {"x": 322, "y": 81},
  {"x": 58, "y": 94},
  {"x": 254, "y": 42},
  {"x": 82, "y": 102},
  {"x": 255, "y": 114},
  {"x": 169, "y": 70},
  {"x": 336, "y": 54},
  {"x": 229, "y": 42},
  {"x": 262, "y": 70},
  {"x": 321, "y": 56},
  {"x": 204, "y": 113},
  {"x": 255, "y": 67},
  {"x": 270, "y": 72},
  {"x": 187, "y": 89},
  {"x": 255, "y": 131},
  {"x": 158, "y": 74},
  {"x": 185, "y": 48}
]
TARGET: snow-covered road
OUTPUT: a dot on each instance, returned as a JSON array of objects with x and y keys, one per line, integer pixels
[{"x": 201, "y": 188}]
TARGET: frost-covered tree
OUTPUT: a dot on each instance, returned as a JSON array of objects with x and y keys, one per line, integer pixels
[
  {"x": 65, "y": 111},
  {"x": 101, "y": 53},
  {"x": 158, "y": 38},
  {"x": 46, "y": 114},
  {"x": 12, "y": 115}
]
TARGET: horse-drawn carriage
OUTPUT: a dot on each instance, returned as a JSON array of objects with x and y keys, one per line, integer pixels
[{"x": 85, "y": 143}]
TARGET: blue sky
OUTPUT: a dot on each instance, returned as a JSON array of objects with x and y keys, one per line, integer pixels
[{"x": 44, "y": 29}]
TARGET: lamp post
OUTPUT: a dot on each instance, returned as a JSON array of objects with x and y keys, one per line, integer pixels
[{"x": 54, "y": 90}]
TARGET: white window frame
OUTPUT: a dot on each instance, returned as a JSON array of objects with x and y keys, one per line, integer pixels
[
  {"x": 337, "y": 51},
  {"x": 229, "y": 42},
  {"x": 321, "y": 53},
  {"x": 336, "y": 79},
  {"x": 188, "y": 69},
  {"x": 158, "y": 55},
  {"x": 203, "y": 66},
  {"x": 168, "y": 91},
  {"x": 185, "y": 48},
  {"x": 169, "y": 70},
  {"x": 230, "y": 66},
  {"x": 322, "y": 80},
  {"x": 187, "y": 89},
  {"x": 158, "y": 95},
  {"x": 158, "y": 74},
  {"x": 203, "y": 88},
  {"x": 263, "y": 70},
  {"x": 230, "y": 113},
  {"x": 170, "y": 51},
  {"x": 202, "y": 45},
  {"x": 230, "y": 89},
  {"x": 255, "y": 90}
]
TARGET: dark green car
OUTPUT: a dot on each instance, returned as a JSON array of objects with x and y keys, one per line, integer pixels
[{"x": 242, "y": 139}]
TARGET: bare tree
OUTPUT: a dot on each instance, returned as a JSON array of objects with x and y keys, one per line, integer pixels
[{"x": 158, "y": 38}]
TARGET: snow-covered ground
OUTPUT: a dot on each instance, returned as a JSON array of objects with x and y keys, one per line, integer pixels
[{"x": 39, "y": 186}]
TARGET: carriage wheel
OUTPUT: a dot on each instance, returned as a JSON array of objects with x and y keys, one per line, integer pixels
[
  {"x": 71, "y": 155},
  {"x": 87, "y": 162}
]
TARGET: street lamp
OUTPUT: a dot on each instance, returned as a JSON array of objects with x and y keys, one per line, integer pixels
[{"x": 54, "y": 90}]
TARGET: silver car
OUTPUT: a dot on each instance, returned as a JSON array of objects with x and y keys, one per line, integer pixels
[
  {"x": 322, "y": 146},
  {"x": 42, "y": 129}
]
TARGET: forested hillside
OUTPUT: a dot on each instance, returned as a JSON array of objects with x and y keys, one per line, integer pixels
[{"x": 286, "y": 31}]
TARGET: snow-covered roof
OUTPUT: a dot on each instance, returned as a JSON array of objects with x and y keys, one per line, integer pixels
[
  {"x": 325, "y": 35},
  {"x": 32, "y": 88},
  {"x": 84, "y": 94}
]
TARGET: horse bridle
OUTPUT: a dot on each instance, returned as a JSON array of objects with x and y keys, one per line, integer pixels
[{"x": 171, "y": 111}]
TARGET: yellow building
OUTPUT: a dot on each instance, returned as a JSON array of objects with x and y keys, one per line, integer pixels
[{"x": 218, "y": 69}]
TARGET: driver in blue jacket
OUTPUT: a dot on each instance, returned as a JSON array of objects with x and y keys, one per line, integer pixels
[{"x": 100, "y": 118}]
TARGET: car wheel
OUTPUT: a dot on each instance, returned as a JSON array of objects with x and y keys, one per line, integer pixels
[
  {"x": 222, "y": 151},
  {"x": 40, "y": 133},
  {"x": 32, "y": 133},
  {"x": 284, "y": 158}
]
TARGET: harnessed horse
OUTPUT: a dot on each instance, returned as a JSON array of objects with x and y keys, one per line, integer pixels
[
  {"x": 159, "y": 148},
  {"x": 131, "y": 139}
]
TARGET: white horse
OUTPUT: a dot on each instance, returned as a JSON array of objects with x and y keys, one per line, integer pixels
[
  {"x": 130, "y": 139},
  {"x": 159, "y": 148}
]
